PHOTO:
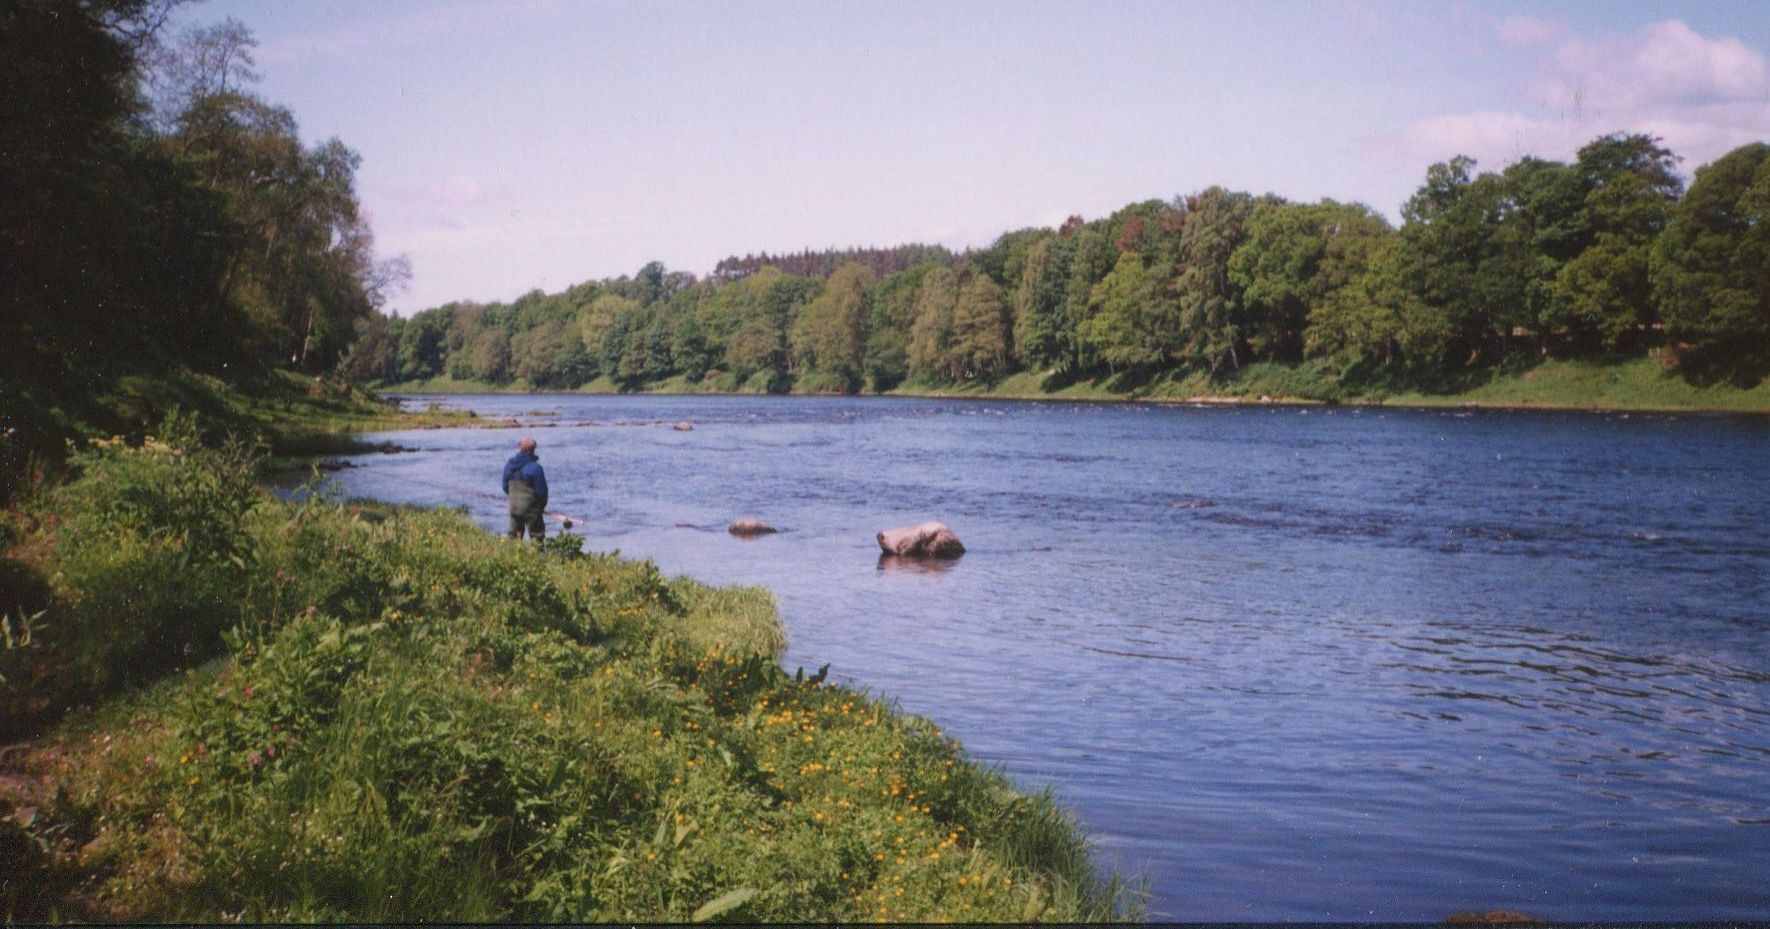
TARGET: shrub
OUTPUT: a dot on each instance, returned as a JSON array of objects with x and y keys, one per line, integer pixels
[{"x": 146, "y": 557}]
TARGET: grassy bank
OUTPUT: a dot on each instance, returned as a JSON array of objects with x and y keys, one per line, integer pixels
[
  {"x": 1636, "y": 385},
  {"x": 239, "y": 708},
  {"x": 294, "y": 417}
]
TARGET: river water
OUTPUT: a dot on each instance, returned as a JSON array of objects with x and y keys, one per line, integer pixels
[{"x": 1285, "y": 664}]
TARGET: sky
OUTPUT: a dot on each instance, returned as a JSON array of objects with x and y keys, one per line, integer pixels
[{"x": 510, "y": 145}]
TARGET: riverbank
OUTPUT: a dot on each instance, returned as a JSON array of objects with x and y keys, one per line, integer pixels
[
  {"x": 295, "y": 419},
  {"x": 369, "y": 712},
  {"x": 1637, "y": 385}
]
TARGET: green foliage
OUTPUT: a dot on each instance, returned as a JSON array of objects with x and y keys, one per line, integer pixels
[
  {"x": 1043, "y": 336},
  {"x": 1209, "y": 318},
  {"x": 1125, "y": 327},
  {"x": 1711, "y": 266},
  {"x": 414, "y": 720},
  {"x": 829, "y": 337},
  {"x": 931, "y": 329},
  {"x": 980, "y": 331},
  {"x": 1489, "y": 269}
]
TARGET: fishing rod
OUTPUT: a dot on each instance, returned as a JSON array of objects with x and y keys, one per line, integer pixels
[{"x": 566, "y": 520}]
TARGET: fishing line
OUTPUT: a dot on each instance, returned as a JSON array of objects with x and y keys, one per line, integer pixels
[{"x": 564, "y": 519}]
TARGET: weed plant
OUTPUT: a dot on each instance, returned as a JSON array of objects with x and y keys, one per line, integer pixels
[{"x": 387, "y": 714}]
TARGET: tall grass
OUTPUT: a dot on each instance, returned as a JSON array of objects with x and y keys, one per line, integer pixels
[{"x": 389, "y": 714}]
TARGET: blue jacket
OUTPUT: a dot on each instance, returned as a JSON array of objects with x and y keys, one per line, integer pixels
[{"x": 526, "y": 468}]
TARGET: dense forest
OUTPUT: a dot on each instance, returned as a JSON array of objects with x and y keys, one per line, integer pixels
[
  {"x": 1608, "y": 256},
  {"x": 158, "y": 216}
]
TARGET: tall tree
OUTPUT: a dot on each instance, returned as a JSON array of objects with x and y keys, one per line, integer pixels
[
  {"x": 1091, "y": 259},
  {"x": 830, "y": 335},
  {"x": 1603, "y": 294},
  {"x": 980, "y": 330},
  {"x": 1126, "y": 328},
  {"x": 1208, "y": 298},
  {"x": 931, "y": 335},
  {"x": 1044, "y": 334},
  {"x": 888, "y": 330},
  {"x": 1711, "y": 266},
  {"x": 1294, "y": 257}
]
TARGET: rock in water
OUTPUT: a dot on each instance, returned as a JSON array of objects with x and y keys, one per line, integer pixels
[
  {"x": 929, "y": 540},
  {"x": 684, "y": 426},
  {"x": 749, "y": 527}
]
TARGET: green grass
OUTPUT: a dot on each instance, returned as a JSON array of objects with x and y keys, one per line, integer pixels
[
  {"x": 1634, "y": 384},
  {"x": 362, "y": 712},
  {"x": 1628, "y": 384}
]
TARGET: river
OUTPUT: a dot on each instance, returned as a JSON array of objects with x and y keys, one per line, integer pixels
[{"x": 1284, "y": 663}]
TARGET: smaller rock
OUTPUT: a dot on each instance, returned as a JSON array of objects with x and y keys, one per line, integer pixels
[
  {"x": 928, "y": 540},
  {"x": 684, "y": 426},
  {"x": 747, "y": 528}
]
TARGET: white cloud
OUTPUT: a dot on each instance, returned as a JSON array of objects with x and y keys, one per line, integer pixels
[
  {"x": 1703, "y": 96},
  {"x": 1664, "y": 65}
]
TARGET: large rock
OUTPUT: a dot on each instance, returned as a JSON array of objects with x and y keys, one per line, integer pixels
[
  {"x": 929, "y": 540},
  {"x": 746, "y": 528}
]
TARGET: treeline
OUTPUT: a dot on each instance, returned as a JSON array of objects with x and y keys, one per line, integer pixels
[
  {"x": 881, "y": 261},
  {"x": 1605, "y": 256},
  {"x": 156, "y": 214}
]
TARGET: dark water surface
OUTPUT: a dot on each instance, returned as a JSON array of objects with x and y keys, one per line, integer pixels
[{"x": 1287, "y": 664}]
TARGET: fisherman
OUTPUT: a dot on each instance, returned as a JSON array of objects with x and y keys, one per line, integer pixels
[{"x": 526, "y": 486}]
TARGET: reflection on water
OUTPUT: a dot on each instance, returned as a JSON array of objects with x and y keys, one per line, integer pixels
[
  {"x": 898, "y": 563},
  {"x": 1318, "y": 665}
]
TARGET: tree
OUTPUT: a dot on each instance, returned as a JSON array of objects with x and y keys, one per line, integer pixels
[
  {"x": 1208, "y": 297},
  {"x": 535, "y": 354},
  {"x": 423, "y": 343},
  {"x": 595, "y": 320},
  {"x": 830, "y": 335},
  {"x": 1375, "y": 314},
  {"x": 980, "y": 330},
  {"x": 688, "y": 351},
  {"x": 1294, "y": 258},
  {"x": 374, "y": 356},
  {"x": 1091, "y": 260},
  {"x": 110, "y": 255},
  {"x": 306, "y": 270},
  {"x": 1044, "y": 334},
  {"x": 1631, "y": 187},
  {"x": 755, "y": 346},
  {"x": 931, "y": 334},
  {"x": 576, "y": 365},
  {"x": 488, "y": 357},
  {"x": 1126, "y": 328},
  {"x": 888, "y": 328},
  {"x": 1710, "y": 268},
  {"x": 1445, "y": 238},
  {"x": 207, "y": 62}
]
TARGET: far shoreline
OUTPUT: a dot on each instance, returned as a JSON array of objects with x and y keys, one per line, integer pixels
[{"x": 1449, "y": 403}]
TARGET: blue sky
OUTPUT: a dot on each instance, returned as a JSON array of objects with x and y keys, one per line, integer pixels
[{"x": 515, "y": 144}]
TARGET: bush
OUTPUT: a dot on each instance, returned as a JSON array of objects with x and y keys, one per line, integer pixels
[{"x": 146, "y": 557}]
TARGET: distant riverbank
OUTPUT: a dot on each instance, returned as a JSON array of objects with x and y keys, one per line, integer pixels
[{"x": 1638, "y": 385}]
